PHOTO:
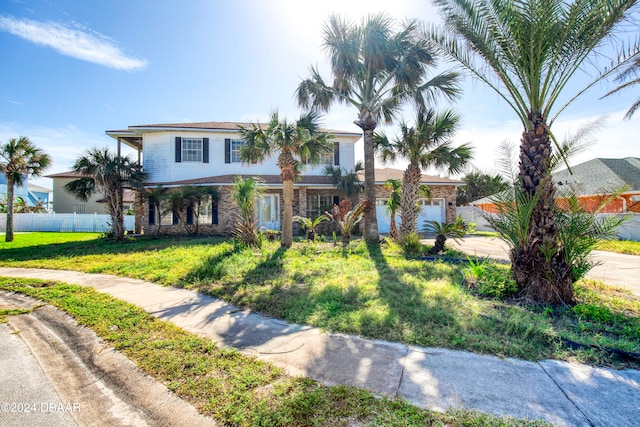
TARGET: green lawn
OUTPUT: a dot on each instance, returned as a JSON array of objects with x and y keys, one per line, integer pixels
[
  {"x": 619, "y": 246},
  {"x": 222, "y": 383},
  {"x": 371, "y": 291}
]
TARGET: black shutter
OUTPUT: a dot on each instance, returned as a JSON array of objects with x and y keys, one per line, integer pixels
[
  {"x": 214, "y": 213},
  {"x": 189, "y": 215},
  {"x": 205, "y": 150},
  {"x": 336, "y": 154},
  {"x": 336, "y": 200},
  {"x": 227, "y": 150},
  {"x": 178, "y": 149},
  {"x": 175, "y": 217},
  {"x": 152, "y": 211}
]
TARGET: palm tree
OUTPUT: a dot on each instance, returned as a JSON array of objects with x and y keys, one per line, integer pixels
[
  {"x": 480, "y": 184},
  {"x": 443, "y": 231},
  {"x": 376, "y": 70},
  {"x": 103, "y": 172},
  {"x": 298, "y": 143},
  {"x": 425, "y": 145},
  {"x": 346, "y": 181},
  {"x": 631, "y": 70},
  {"x": 310, "y": 225},
  {"x": 393, "y": 204},
  {"x": 245, "y": 193},
  {"x": 19, "y": 158},
  {"x": 346, "y": 218},
  {"x": 154, "y": 196},
  {"x": 528, "y": 52}
]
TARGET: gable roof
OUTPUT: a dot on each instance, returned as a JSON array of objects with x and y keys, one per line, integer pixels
[
  {"x": 598, "y": 176},
  {"x": 381, "y": 175}
]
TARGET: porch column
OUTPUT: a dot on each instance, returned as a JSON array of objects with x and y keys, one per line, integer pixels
[
  {"x": 302, "y": 201},
  {"x": 139, "y": 212}
]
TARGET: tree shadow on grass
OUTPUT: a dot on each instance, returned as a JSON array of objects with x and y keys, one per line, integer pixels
[{"x": 100, "y": 246}]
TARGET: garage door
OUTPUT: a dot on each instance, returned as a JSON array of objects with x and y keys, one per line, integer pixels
[{"x": 431, "y": 210}]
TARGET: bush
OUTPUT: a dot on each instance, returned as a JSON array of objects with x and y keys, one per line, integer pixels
[
  {"x": 410, "y": 244},
  {"x": 496, "y": 282}
]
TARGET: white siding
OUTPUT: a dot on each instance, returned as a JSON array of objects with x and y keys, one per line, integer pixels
[{"x": 160, "y": 164}]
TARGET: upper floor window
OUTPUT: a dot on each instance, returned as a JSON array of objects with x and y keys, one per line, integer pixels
[
  {"x": 191, "y": 149},
  {"x": 331, "y": 158},
  {"x": 236, "y": 146},
  {"x": 232, "y": 148}
]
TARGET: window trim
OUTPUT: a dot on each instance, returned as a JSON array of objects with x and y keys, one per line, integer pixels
[{"x": 186, "y": 152}]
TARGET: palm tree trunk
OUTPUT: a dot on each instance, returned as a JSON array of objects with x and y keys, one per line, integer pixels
[
  {"x": 9, "y": 234},
  {"x": 393, "y": 228},
  {"x": 540, "y": 268},
  {"x": 409, "y": 201},
  {"x": 371, "y": 234},
  {"x": 286, "y": 228}
]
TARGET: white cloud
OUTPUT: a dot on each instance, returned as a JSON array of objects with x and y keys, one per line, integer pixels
[{"x": 79, "y": 43}]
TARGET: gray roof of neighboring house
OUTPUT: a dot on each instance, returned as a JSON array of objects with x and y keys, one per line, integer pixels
[
  {"x": 39, "y": 189},
  {"x": 600, "y": 176}
]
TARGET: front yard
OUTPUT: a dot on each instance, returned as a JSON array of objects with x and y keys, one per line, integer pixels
[{"x": 371, "y": 291}]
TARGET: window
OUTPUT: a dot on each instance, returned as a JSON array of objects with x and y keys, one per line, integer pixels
[
  {"x": 192, "y": 149},
  {"x": 236, "y": 145},
  {"x": 326, "y": 159},
  {"x": 318, "y": 204},
  {"x": 208, "y": 211}
]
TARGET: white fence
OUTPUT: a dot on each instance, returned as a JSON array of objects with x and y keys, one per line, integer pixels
[
  {"x": 630, "y": 229},
  {"x": 63, "y": 222}
]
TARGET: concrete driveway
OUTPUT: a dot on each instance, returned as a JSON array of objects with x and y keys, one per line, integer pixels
[{"x": 613, "y": 269}]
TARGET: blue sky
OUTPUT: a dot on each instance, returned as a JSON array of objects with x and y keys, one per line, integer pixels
[{"x": 73, "y": 69}]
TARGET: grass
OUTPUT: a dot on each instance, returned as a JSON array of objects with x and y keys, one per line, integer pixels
[
  {"x": 222, "y": 383},
  {"x": 619, "y": 246},
  {"x": 371, "y": 291}
]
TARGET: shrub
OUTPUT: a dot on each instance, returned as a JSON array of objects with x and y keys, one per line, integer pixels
[
  {"x": 410, "y": 244},
  {"x": 496, "y": 282}
]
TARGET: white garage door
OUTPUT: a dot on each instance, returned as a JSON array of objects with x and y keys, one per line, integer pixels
[{"x": 432, "y": 210}]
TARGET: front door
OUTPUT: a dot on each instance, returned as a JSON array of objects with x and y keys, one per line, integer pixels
[{"x": 269, "y": 211}]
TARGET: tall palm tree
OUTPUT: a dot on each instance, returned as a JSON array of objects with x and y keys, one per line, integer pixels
[
  {"x": 376, "y": 70},
  {"x": 631, "y": 77},
  {"x": 19, "y": 158},
  {"x": 102, "y": 172},
  {"x": 425, "y": 145},
  {"x": 528, "y": 51},
  {"x": 298, "y": 143}
]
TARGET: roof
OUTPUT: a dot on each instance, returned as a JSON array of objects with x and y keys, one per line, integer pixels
[
  {"x": 598, "y": 176},
  {"x": 39, "y": 189},
  {"x": 381, "y": 175},
  {"x": 304, "y": 180},
  {"x": 68, "y": 174},
  {"x": 211, "y": 126}
]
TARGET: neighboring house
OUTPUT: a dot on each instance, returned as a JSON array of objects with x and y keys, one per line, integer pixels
[
  {"x": 31, "y": 193},
  {"x": 207, "y": 154},
  {"x": 595, "y": 180},
  {"x": 41, "y": 195},
  {"x": 65, "y": 202},
  {"x": 441, "y": 207}
]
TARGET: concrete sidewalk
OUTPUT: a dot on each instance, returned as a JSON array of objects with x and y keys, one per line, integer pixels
[{"x": 564, "y": 394}]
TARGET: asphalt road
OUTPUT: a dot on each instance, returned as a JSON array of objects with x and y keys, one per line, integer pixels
[
  {"x": 54, "y": 372},
  {"x": 613, "y": 269}
]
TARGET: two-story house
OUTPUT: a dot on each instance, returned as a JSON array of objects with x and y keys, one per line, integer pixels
[{"x": 207, "y": 154}]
